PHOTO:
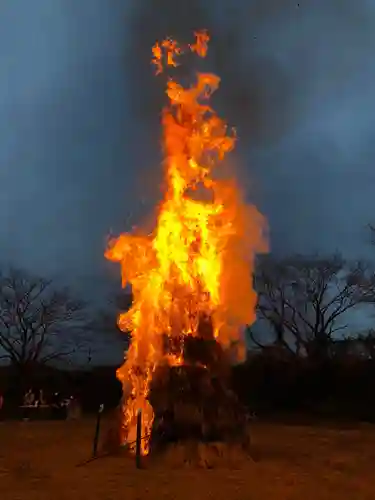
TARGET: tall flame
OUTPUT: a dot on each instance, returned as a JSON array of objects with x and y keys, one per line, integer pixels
[{"x": 199, "y": 259}]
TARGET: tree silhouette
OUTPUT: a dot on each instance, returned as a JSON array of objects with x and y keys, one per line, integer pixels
[
  {"x": 305, "y": 298},
  {"x": 38, "y": 324}
]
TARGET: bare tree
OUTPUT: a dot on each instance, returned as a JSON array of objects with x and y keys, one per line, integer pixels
[
  {"x": 272, "y": 284},
  {"x": 38, "y": 324},
  {"x": 305, "y": 298}
]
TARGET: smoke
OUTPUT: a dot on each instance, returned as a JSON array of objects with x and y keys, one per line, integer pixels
[
  {"x": 297, "y": 83},
  {"x": 80, "y": 120},
  {"x": 80, "y": 123},
  {"x": 244, "y": 98}
]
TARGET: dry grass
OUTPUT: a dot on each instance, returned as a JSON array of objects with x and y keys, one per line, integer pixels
[{"x": 38, "y": 460}]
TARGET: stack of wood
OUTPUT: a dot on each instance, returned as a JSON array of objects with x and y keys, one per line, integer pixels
[{"x": 193, "y": 401}]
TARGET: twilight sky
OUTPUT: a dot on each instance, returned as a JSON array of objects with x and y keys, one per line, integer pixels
[{"x": 79, "y": 121}]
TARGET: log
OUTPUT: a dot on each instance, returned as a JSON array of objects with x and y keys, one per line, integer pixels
[
  {"x": 194, "y": 401},
  {"x": 197, "y": 417}
]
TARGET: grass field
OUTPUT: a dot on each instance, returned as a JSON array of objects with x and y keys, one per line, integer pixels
[{"x": 38, "y": 461}]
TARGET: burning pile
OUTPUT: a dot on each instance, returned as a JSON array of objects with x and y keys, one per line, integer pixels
[{"x": 192, "y": 277}]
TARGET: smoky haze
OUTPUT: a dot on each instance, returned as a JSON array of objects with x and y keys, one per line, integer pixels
[
  {"x": 297, "y": 82},
  {"x": 80, "y": 133}
]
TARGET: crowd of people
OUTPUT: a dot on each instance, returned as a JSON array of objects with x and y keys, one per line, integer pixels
[
  {"x": 59, "y": 406},
  {"x": 30, "y": 399}
]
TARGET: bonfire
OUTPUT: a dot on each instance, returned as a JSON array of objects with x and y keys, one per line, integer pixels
[{"x": 191, "y": 278}]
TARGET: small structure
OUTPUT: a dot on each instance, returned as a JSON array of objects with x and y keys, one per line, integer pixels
[{"x": 73, "y": 409}]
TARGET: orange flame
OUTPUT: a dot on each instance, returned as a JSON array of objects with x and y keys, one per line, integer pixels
[{"x": 199, "y": 259}]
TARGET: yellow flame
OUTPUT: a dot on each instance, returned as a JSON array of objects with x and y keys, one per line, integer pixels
[{"x": 199, "y": 258}]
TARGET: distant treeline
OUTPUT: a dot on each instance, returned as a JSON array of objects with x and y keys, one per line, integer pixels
[
  {"x": 269, "y": 383},
  {"x": 334, "y": 388}
]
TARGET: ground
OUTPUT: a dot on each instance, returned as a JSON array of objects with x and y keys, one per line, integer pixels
[{"x": 41, "y": 461}]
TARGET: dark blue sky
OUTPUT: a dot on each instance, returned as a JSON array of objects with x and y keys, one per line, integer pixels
[{"x": 79, "y": 121}]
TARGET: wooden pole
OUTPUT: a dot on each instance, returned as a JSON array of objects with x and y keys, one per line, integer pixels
[
  {"x": 138, "y": 452},
  {"x": 97, "y": 431}
]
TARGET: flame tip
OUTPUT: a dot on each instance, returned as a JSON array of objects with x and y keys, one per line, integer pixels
[{"x": 194, "y": 262}]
